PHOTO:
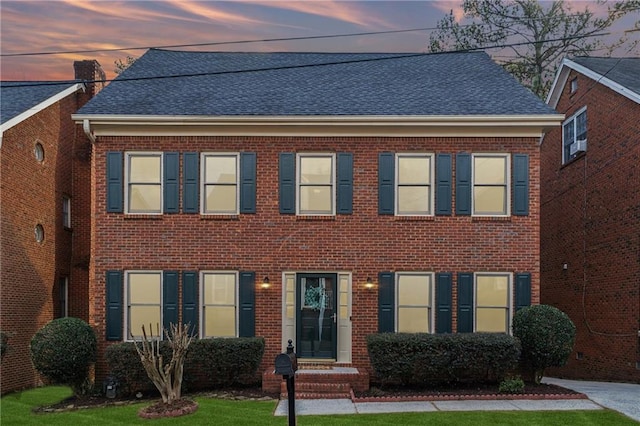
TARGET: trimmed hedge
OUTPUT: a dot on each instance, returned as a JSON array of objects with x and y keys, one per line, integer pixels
[
  {"x": 209, "y": 364},
  {"x": 423, "y": 359}
]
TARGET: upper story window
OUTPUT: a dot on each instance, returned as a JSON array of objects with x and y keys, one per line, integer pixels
[
  {"x": 574, "y": 135},
  {"x": 220, "y": 183},
  {"x": 574, "y": 85},
  {"x": 38, "y": 152},
  {"x": 219, "y": 300},
  {"x": 143, "y": 292},
  {"x": 490, "y": 185},
  {"x": 66, "y": 212},
  {"x": 414, "y": 302},
  {"x": 143, "y": 182},
  {"x": 492, "y": 302},
  {"x": 316, "y": 184},
  {"x": 414, "y": 194}
]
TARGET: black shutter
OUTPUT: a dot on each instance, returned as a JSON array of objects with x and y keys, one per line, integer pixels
[
  {"x": 443, "y": 301},
  {"x": 463, "y": 184},
  {"x": 465, "y": 302},
  {"x": 114, "y": 182},
  {"x": 190, "y": 301},
  {"x": 386, "y": 302},
  {"x": 114, "y": 305},
  {"x": 344, "y": 204},
  {"x": 523, "y": 290},
  {"x": 287, "y": 175},
  {"x": 248, "y": 182},
  {"x": 191, "y": 174},
  {"x": 520, "y": 184},
  {"x": 386, "y": 183},
  {"x": 246, "y": 308},
  {"x": 169, "y": 299},
  {"x": 443, "y": 184},
  {"x": 171, "y": 182}
]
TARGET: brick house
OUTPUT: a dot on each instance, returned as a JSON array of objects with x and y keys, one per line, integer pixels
[
  {"x": 44, "y": 200},
  {"x": 313, "y": 197},
  {"x": 590, "y": 210}
]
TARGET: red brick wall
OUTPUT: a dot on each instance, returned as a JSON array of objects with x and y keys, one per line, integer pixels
[
  {"x": 590, "y": 219},
  {"x": 270, "y": 243}
]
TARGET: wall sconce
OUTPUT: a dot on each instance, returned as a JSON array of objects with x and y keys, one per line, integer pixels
[
  {"x": 265, "y": 283},
  {"x": 369, "y": 284}
]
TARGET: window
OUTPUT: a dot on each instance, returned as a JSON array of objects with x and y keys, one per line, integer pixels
[
  {"x": 490, "y": 185},
  {"x": 144, "y": 303},
  {"x": 219, "y": 183},
  {"x": 219, "y": 300},
  {"x": 66, "y": 212},
  {"x": 574, "y": 135},
  {"x": 414, "y": 302},
  {"x": 414, "y": 195},
  {"x": 316, "y": 187},
  {"x": 144, "y": 183},
  {"x": 39, "y": 233},
  {"x": 63, "y": 296},
  {"x": 574, "y": 85},
  {"x": 492, "y": 296},
  {"x": 38, "y": 152}
]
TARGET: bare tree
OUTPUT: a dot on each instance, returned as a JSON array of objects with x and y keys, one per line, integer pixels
[
  {"x": 167, "y": 377},
  {"x": 536, "y": 35},
  {"x": 123, "y": 65}
]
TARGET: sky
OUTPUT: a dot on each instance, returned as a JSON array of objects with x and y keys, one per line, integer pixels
[{"x": 72, "y": 25}]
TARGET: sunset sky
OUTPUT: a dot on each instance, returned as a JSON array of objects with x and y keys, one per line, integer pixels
[{"x": 72, "y": 25}]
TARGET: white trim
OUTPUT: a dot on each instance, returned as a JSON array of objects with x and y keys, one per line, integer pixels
[
  {"x": 510, "y": 303},
  {"x": 39, "y": 107},
  {"x": 202, "y": 192},
  {"x": 127, "y": 156},
  {"x": 507, "y": 183},
  {"x": 575, "y": 136},
  {"x": 125, "y": 327},
  {"x": 299, "y": 157},
  {"x": 203, "y": 325},
  {"x": 431, "y": 185},
  {"x": 432, "y": 316}
]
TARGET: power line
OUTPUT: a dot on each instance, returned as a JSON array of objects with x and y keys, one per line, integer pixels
[{"x": 312, "y": 65}]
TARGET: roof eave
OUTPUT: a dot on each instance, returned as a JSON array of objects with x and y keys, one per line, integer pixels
[{"x": 462, "y": 126}]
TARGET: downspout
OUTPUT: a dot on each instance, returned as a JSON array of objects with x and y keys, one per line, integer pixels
[{"x": 86, "y": 126}]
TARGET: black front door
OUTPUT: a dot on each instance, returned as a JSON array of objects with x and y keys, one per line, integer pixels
[{"x": 316, "y": 330}]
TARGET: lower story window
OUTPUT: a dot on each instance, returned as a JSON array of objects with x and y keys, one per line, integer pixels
[
  {"x": 219, "y": 301},
  {"x": 493, "y": 295},
  {"x": 414, "y": 302},
  {"x": 144, "y": 303}
]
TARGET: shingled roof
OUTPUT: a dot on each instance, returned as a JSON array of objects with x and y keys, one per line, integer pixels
[
  {"x": 181, "y": 83},
  {"x": 19, "y": 97}
]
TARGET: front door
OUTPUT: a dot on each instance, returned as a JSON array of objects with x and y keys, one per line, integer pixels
[{"x": 316, "y": 331}]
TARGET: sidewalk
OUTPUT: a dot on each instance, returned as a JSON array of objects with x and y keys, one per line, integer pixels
[{"x": 621, "y": 397}]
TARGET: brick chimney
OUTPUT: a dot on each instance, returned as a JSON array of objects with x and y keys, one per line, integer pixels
[{"x": 92, "y": 74}]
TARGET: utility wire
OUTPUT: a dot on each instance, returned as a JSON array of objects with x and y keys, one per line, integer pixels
[{"x": 312, "y": 65}]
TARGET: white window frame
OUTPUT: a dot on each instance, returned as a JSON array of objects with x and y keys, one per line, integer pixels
[
  {"x": 565, "y": 143},
  {"x": 127, "y": 182},
  {"x": 509, "y": 307},
  {"x": 203, "y": 183},
  {"x": 201, "y": 304},
  {"x": 507, "y": 184},
  {"x": 66, "y": 211},
  {"x": 299, "y": 158},
  {"x": 431, "y": 185},
  {"x": 127, "y": 336},
  {"x": 430, "y": 308}
]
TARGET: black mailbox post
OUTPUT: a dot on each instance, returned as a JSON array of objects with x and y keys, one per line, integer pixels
[{"x": 287, "y": 364}]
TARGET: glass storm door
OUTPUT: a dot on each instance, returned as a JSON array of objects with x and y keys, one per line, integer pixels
[{"x": 316, "y": 331}]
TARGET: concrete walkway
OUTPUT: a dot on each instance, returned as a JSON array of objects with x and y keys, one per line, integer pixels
[{"x": 621, "y": 397}]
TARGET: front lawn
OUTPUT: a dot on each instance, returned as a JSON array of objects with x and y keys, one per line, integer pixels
[{"x": 16, "y": 409}]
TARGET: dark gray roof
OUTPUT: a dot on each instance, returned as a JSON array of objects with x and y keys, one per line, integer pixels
[
  {"x": 17, "y": 97},
  {"x": 624, "y": 71},
  {"x": 314, "y": 84}
]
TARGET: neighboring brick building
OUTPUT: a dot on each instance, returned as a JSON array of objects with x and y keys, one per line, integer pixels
[
  {"x": 44, "y": 210},
  {"x": 591, "y": 215},
  {"x": 374, "y": 191}
]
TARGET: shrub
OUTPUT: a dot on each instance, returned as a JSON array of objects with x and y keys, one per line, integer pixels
[
  {"x": 511, "y": 385},
  {"x": 63, "y": 350},
  {"x": 209, "y": 363},
  {"x": 546, "y": 334},
  {"x": 421, "y": 359}
]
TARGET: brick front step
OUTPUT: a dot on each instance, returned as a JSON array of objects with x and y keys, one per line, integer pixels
[
  {"x": 308, "y": 390},
  {"x": 336, "y": 380}
]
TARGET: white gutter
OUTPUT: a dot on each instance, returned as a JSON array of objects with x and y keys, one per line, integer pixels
[{"x": 86, "y": 126}]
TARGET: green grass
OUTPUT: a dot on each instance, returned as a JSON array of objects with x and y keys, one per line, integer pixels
[{"x": 16, "y": 409}]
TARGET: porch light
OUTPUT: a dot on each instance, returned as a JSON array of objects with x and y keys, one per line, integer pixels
[
  {"x": 265, "y": 283},
  {"x": 369, "y": 284}
]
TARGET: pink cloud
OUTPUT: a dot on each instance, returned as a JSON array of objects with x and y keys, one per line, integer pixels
[{"x": 447, "y": 6}]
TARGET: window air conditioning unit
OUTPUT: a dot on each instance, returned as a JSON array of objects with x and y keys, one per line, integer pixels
[{"x": 578, "y": 146}]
